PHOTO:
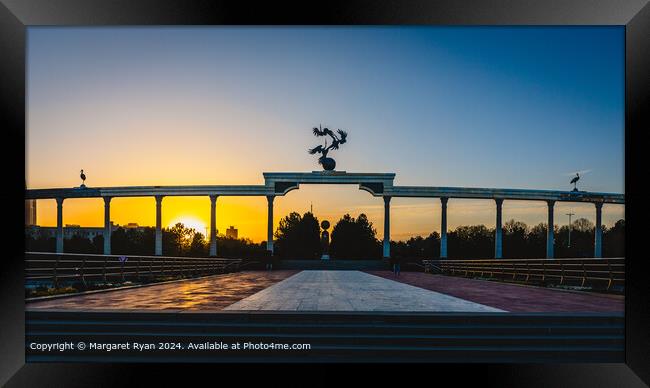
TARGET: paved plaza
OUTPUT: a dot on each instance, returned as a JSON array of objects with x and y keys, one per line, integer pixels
[
  {"x": 352, "y": 291},
  {"x": 333, "y": 290},
  {"x": 517, "y": 298},
  {"x": 205, "y": 294}
]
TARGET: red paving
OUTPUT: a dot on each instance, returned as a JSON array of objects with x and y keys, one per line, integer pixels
[
  {"x": 510, "y": 297},
  {"x": 217, "y": 292},
  {"x": 206, "y": 294}
]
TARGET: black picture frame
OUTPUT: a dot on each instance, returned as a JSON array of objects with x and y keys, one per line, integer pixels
[{"x": 17, "y": 15}]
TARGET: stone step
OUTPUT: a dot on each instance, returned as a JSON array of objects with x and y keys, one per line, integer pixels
[
  {"x": 307, "y": 328},
  {"x": 439, "y": 337},
  {"x": 325, "y": 317}
]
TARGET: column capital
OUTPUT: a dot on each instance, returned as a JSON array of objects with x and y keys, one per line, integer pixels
[
  {"x": 159, "y": 198},
  {"x": 499, "y": 201},
  {"x": 107, "y": 200},
  {"x": 550, "y": 202},
  {"x": 270, "y": 198},
  {"x": 387, "y": 199},
  {"x": 444, "y": 200},
  {"x": 599, "y": 205},
  {"x": 59, "y": 201},
  {"x": 213, "y": 197}
]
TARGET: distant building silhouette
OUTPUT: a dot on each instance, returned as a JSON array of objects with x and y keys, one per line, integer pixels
[
  {"x": 232, "y": 232},
  {"x": 30, "y": 212},
  {"x": 71, "y": 230}
]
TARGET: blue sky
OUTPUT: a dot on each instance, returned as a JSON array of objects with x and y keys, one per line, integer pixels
[{"x": 516, "y": 107}]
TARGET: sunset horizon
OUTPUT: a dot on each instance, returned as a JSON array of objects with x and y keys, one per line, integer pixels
[{"x": 232, "y": 103}]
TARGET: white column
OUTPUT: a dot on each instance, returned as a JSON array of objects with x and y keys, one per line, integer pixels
[
  {"x": 213, "y": 225},
  {"x": 598, "y": 239},
  {"x": 498, "y": 231},
  {"x": 59, "y": 225},
  {"x": 107, "y": 225},
  {"x": 269, "y": 231},
  {"x": 387, "y": 227},
  {"x": 443, "y": 228},
  {"x": 550, "y": 232},
  {"x": 159, "y": 199}
]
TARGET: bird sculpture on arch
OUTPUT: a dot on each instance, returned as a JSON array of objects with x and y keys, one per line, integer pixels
[{"x": 338, "y": 138}]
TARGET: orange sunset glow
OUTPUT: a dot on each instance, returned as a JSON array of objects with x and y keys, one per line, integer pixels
[{"x": 220, "y": 106}]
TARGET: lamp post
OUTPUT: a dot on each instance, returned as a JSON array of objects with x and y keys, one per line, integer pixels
[{"x": 569, "y": 214}]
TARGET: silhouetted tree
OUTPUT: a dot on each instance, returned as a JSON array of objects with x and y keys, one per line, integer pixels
[
  {"x": 515, "y": 239},
  {"x": 583, "y": 225},
  {"x": 537, "y": 241},
  {"x": 174, "y": 240},
  {"x": 582, "y": 240},
  {"x": 417, "y": 247},
  {"x": 241, "y": 248},
  {"x": 354, "y": 239},
  {"x": 79, "y": 244},
  {"x": 614, "y": 240},
  {"x": 133, "y": 241},
  {"x": 180, "y": 240},
  {"x": 39, "y": 243},
  {"x": 198, "y": 246},
  {"x": 476, "y": 241},
  {"x": 298, "y": 237}
]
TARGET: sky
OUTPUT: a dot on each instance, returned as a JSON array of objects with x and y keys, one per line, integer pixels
[{"x": 504, "y": 107}]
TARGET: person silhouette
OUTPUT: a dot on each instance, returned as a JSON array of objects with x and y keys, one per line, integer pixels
[{"x": 396, "y": 263}]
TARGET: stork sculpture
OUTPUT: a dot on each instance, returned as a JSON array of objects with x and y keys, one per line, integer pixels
[
  {"x": 83, "y": 178},
  {"x": 574, "y": 181},
  {"x": 328, "y": 163}
]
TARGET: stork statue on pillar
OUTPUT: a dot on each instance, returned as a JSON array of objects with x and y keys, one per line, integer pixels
[
  {"x": 83, "y": 178},
  {"x": 576, "y": 178},
  {"x": 574, "y": 181}
]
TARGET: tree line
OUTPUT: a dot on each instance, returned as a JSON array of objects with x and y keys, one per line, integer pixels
[
  {"x": 177, "y": 240},
  {"x": 519, "y": 241},
  {"x": 298, "y": 237}
]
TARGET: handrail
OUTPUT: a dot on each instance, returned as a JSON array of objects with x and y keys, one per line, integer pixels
[
  {"x": 59, "y": 266},
  {"x": 603, "y": 273},
  {"x": 578, "y": 259},
  {"x": 120, "y": 255}
]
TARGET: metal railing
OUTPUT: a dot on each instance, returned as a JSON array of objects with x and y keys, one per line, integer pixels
[
  {"x": 597, "y": 273},
  {"x": 67, "y": 267}
]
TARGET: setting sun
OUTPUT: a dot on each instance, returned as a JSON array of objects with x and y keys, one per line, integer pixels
[{"x": 191, "y": 222}]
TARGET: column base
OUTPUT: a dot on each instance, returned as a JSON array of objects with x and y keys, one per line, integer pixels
[{"x": 386, "y": 248}]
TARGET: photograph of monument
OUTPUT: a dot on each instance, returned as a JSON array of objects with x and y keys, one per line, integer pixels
[{"x": 468, "y": 176}]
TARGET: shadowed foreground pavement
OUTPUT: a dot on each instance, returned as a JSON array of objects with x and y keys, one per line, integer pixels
[
  {"x": 206, "y": 294},
  {"x": 511, "y": 297}
]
